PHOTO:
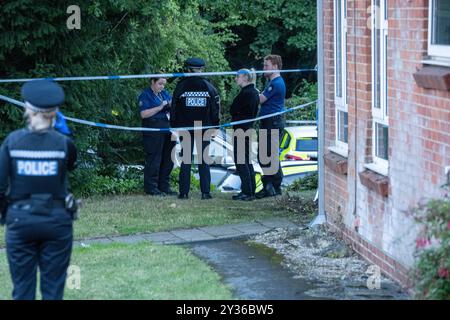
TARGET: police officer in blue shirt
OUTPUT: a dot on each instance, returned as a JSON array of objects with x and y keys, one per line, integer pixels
[
  {"x": 272, "y": 101},
  {"x": 33, "y": 178},
  {"x": 195, "y": 99},
  {"x": 61, "y": 125},
  {"x": 154, "y": 106}
]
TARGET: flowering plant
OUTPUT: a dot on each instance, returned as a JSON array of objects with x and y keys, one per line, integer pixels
[{"x": 432, "y": 270}]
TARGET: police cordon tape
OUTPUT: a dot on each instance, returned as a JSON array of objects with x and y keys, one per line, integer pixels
[
  {"x": 110, "y": 126},
  {"x": 153, "y": 75}
]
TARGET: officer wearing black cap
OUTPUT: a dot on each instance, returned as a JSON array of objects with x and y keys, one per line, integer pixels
[
  {"x": 195, "y": 99},
  {"x": 33, "y": 178}
]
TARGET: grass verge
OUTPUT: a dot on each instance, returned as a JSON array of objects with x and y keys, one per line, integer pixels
[
  {"x": 158, "y": 272},
  {"x": 125, "y": 215}
]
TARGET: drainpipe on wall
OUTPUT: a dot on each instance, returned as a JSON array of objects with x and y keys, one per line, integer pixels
[{"x": 321, "y": 217}]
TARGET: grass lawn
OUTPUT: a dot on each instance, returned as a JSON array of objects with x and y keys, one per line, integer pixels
[
  {"x": 123, "y": 215},
  {"x": 139, "y": 271}
]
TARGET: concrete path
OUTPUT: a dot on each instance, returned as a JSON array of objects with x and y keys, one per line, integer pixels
[{"x": 183, "y": 236}]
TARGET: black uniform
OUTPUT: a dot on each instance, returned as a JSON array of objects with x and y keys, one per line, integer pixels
[
  {"x": 33, "y": 177},
  {"x": 245, "y": 106},
  {"x": 194, "y": 99},
  {"x": 39, "y": 228}
]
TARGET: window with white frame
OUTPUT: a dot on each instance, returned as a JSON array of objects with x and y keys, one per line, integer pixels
[
  {"x": 439, "y": 29},
  {"x": 340, "y": 73},
  {"x": 380, "y": 123}
]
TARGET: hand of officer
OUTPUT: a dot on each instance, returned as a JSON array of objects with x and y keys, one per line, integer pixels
[{"x": 166, "y": 105}]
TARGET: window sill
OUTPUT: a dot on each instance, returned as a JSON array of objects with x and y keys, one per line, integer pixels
[
  {"x": 336, "y": 163},
  {"x": 433, "y": 77},
  {"x": 340, "y": 151},
  {"x": 375, "y": 182},
  {"x": 381, "y": 170},
  {"x": 443, "y": 62}
]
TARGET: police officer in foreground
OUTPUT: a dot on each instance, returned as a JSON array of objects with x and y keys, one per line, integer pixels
[
  {"x": 195, "y": 99},
  {"x": 33, "y": 178}
]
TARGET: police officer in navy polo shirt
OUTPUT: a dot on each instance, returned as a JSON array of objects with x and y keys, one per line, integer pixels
[
  {"x": 33, "y": 178},
  {"x": 61, "y": 125},
  {"x": 154, "y": 106},
  {"x": 195, "y": 99},
  {"x": 272, "y": 101}
]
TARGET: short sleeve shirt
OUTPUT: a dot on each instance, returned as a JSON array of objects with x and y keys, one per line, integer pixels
[
  {"x": 275, "y": 92},
  {"x": 148, "y": 99}
]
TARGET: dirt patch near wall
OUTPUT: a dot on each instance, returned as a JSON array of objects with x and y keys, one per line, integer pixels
[{"x": 315, "y": 255}]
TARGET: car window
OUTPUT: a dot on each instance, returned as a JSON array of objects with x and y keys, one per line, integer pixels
[
  {"x": 306, "y": 144},
  {"x": 285, "y": 141}
]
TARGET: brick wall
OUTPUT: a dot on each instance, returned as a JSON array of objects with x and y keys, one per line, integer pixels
[{"x": 378, "y": 227}]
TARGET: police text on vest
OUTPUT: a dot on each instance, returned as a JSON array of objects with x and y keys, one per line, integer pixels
[{"x": 37, "y": 168}]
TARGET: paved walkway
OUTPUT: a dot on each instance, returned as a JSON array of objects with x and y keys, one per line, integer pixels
[
  {"x": 231, "y": 231},
  {"x": 183, "y": 236}
]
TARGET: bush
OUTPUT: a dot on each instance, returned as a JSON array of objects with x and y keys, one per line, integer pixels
[
  {"x": 94, "y": 178},
  {"x": 310, "y": 182},
  {"x": 306, "y": 93},
  {"x": 89, "y": 181},
  {"x": 431, "y": 272}
]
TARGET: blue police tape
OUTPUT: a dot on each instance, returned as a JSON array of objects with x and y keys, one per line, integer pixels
[
  {"x": 110, "y": 126},
  {"x": 152, "y": 75}
]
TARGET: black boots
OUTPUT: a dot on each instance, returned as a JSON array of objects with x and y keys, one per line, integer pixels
[{"x": 267, "y": 191}]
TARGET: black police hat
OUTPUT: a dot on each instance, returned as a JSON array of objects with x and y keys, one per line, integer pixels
[
  {"x": 195, "y": 63},
  {"x": 42, "y": 95}
]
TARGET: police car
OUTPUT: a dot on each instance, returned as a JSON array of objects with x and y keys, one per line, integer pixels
[
  {"x": 299, "y": 143},
  {"x": 223, "y": 169}
]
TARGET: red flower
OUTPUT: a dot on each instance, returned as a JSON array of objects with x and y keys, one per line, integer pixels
[
  {"x": 448, "y": 226},
  {"x": 422, "y": 242},
  {"x": 443, "y": 273}
]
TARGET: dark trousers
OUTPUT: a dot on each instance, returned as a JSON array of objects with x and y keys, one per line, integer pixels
[
  {"x": 38, "y": 241},
  {"x": 185, "y": 168},
  {"x": 244, "y": 166},
  {"x": 158, "y": 147},
  {"x": 272, "y": 125}
]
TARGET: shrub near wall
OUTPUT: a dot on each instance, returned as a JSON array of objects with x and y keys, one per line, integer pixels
[{"x": 432, "y": 271}]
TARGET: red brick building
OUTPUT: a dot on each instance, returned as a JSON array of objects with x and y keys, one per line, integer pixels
[{"x": 387, "y": 121}]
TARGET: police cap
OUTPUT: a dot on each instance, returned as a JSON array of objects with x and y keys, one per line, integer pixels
[
  {"x": 195, "y": 63},
  {"x": 42, "y": 95}
]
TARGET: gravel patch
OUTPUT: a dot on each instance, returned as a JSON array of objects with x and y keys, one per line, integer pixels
[{"x": 336, "y": 271}]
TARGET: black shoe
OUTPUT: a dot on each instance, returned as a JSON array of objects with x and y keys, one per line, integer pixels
[
  {"x": 155, "y": 193},
  {"x": 246, "y": 197},
  {"x": 238, "y": 196},
  {"x": 261, "y": 194},
  {"x": 206, "y": 196},
  {"x": 278, "y": 191},
  {"x": 268, "y": 191},
  {"x": 183, "y": 196}
]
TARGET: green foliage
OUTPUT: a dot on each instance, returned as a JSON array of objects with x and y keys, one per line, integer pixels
[
  {"x": 432, "y": 271},
  {"x": 310, "y": 182},
  {"x": 306, "y": 92},
  {"x": 278, "y": 23},
  {"x": 93, "y": 178},
  {"x": 116, "y": 37},
  {"x": 195, "y": 184},
  {"x": 101, "y": 180}
]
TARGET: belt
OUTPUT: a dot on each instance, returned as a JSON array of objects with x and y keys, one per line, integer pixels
[{"x": 24, "y": 205}]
